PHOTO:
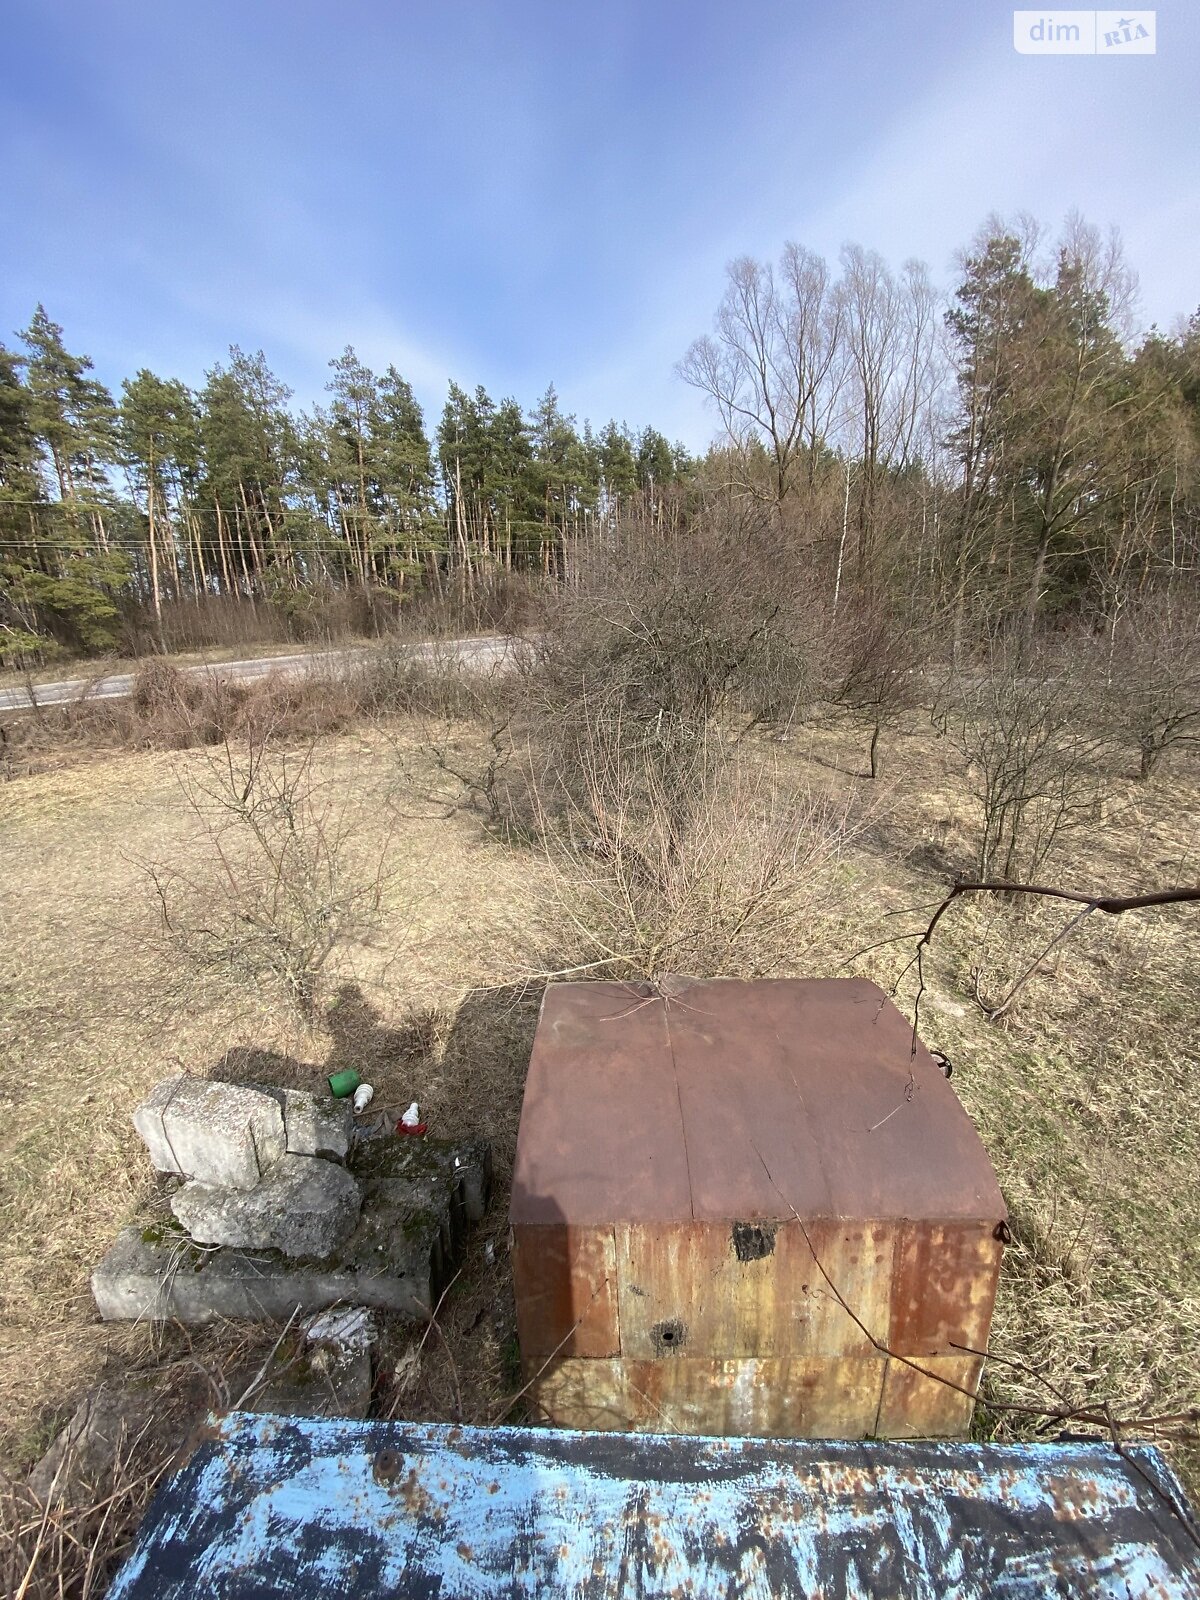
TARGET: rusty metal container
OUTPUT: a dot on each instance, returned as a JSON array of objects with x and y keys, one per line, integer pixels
[{"x": 745, "y": 1208}]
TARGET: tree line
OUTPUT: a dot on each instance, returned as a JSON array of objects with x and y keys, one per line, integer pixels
[
  {"x": 1012, "y": 451},
  {"x": 167, "y": 497}
]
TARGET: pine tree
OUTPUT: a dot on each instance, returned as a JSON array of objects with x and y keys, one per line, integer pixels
[
  {"x": 403, "y": 464},
  {"x": 618, "y": 463},
  {"x": 159, "y": 429},
  {"x": 514, "y": 485},
  {"x": 655, "y": 461},
  {"x": 59, "y": 588},
  {"x": 249, "y": 451},
  {"x": 20, "y": 490},
  {"x": 19, "y": 485},
  {"x": 73, "y": 421},
  {"x": 567, "y": 491}
]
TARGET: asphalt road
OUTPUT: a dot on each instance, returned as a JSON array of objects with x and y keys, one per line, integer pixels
[{"x": 484, "y": 652}]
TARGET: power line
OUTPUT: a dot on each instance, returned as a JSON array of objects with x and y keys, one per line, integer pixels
[
  {"x": 115, "y": 548},
  {"x": 113, "y": 508}
]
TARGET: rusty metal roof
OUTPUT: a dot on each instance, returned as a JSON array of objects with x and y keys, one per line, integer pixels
[
  {"x": 719, "y": 1099},
  {"x": 273, "y": 1507}
]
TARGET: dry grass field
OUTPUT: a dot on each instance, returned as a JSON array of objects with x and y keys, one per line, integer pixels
[{"x": 1087, "y": 1094}]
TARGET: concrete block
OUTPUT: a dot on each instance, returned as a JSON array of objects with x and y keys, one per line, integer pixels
[
  {"x": 161, "y": 1276},
  {"x": 330, "y": 1375},
  {"x": 82, "y": 1455},
  {"x": 303, "y": 1206},
  {"x": 473, "y": 1165},
  {"x": 314, "y": 1125},
  {"x": 223, "y": 1133},
  {"x": 148, "y": 1120},
  {"x": 399, "y": 1257},
  {"x": 322, "y": 1381}
]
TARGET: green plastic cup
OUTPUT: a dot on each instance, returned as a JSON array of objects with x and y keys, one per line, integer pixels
[{"x": 342, "y": 1084}]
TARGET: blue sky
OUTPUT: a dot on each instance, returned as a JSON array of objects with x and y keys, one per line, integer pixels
[{"x": 519, "y": 193}]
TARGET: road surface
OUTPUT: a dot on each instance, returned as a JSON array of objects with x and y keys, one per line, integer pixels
[{"x": 485, "y": 652}]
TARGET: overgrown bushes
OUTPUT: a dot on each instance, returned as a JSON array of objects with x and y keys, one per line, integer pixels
[
  {"x": 667, "y": 631},
  {"x": 1028, "y": 722},
  {"x": 719, "y": 869},
  {"x": 1152, "y": 678}
]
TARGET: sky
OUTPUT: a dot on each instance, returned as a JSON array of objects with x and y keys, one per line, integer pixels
[{"x": 528, "y": 193}]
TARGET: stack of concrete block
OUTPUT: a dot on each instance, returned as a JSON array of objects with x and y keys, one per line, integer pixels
[
  {"x": 282, "y": 1206},
  {"x": 261, "y": 1167}
]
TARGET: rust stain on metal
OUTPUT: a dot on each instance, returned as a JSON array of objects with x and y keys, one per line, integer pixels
[
  {"x": 780, "y": 1307},
  {"x": 944, "y": 1287},
  {"x": 709, "y": 1158},
  {"x": 758, "y": 1398},
  {"x": 914, "y": 1406},
  {"x": 623, "y": 1123},
  {"x": 298, "y": 1511}
]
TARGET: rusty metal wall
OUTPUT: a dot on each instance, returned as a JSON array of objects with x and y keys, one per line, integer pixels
[{"x": 663, "y": 1272}]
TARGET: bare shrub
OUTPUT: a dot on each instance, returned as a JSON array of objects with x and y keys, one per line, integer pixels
[
  {"x": 1154, "y": 678},
  {"x": 473, "y": 772},
  {"x": 307, "y": 705},
  {"x": 718, "y": 871},
  {"x": 880, "y": 668},
  {"x": 157, "y": 684},
  {"x": 282, "y": 882},
  {"x": 431, "y": 680},
  {"x": 469, "y": 720},
  {"x": 672, "y": 844},
  {"x": 666, "y": 630},
  {"x": 1025, "y": 719},
  {"x": 173, "y": 710}
]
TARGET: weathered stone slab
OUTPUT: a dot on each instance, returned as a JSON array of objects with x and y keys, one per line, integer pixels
[
  {"x": 146, "y": 1274},
  {"x": 398, "y": 1258},
  {"x": 322, "y": 1381},
  {"x": 312, "y": 1125},
  {"x": 104, "y": 1423},
  {"x": 303, "y": 1206},
  {"x": 148, "y": 1120},
  {"x": 326, "y": 1374},
  {"x": 223, "y": 1132}
]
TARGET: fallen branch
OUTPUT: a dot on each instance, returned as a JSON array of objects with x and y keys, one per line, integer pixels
[{"x": 1111, "y": 905}]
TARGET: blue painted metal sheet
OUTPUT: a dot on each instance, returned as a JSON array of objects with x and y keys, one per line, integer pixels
[{"x": 273, "y": 1506}]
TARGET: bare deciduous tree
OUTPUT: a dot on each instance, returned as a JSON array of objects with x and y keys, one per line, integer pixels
[
  {"x": 772, "y": 366},
  {"x": 891, "y": 360},
  {"x": 881, "y": 663},
  {"x": 1154, "y": 677}
]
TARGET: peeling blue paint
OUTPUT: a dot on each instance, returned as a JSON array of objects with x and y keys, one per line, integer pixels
[{"x": 272, "y": 1506}]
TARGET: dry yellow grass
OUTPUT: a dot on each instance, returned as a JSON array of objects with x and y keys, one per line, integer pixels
[
  {"x": 1087, "y": 1096},
  {"x": 93, "y": 1012}
]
